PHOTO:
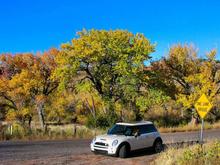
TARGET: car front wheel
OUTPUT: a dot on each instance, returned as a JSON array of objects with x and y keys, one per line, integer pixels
[
  {"x": 158, "y": 146},
  {"x": 123, "y": 151}
]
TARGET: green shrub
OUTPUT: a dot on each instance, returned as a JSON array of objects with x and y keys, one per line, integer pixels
[
  {"x": 101, "y": 121},
  {"x": 18, "y": 132}
]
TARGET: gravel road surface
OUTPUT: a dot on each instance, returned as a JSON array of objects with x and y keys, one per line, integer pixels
[{"x": 77, "y": 152}]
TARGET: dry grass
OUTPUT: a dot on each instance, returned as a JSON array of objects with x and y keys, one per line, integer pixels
[
  {"x": 76, "y": 131},
  {"x": 189, "y": 127},
  {"x": 70, "y": 131},
  {"x": 209, "y": 154}
]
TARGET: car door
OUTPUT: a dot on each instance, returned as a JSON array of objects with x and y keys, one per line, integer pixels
[
  {"x": 147, "y": 135},
  {"x": 151, "y": 134},
  {"x": 135, "y": 142},
  {"x": 140, "y": 141}
]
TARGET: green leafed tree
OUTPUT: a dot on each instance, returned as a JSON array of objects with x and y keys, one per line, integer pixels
[{"x": 111, "y": 61}]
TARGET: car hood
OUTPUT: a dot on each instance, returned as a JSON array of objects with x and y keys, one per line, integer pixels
[{"x": 109, "y": 138}]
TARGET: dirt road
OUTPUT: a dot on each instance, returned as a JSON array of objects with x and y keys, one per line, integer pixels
[{"x": 77, "y": 152}]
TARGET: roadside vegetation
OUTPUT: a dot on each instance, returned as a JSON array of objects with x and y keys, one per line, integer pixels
[
  {"x": 73, "y": 131},
  {"x": 208, "y": 154},
  {"x": 189, "y": 127},
  {"x": 57, "y": 132},
  {"x": 101, "y": 77}
]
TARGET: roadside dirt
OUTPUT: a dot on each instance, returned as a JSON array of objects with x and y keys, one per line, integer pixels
[{"x": 86, "y": 159}]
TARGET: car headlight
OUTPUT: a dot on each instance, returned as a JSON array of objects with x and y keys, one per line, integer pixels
[{"x": 115, "y": 142}]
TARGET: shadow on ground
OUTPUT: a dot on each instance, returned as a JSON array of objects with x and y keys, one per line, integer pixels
[
  {"x": 150, "y": 151},
  {"x": 142, "y": 152}
]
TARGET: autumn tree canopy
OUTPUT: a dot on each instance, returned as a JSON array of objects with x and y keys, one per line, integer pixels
[
  {"x": 112, "y": 62},
  {"x": 25, "y": 83},
  {"x": 100, "y": 77},
  {"x": 188, "y": 75}
]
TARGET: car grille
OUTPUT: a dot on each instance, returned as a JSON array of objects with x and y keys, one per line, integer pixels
[{"x": 101, "y": 145}]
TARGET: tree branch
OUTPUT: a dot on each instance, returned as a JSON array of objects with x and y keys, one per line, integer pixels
[{"x": 10, "y": 100}]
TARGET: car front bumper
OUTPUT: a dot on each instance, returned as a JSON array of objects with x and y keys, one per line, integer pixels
[{"x": 103, "y": 149}]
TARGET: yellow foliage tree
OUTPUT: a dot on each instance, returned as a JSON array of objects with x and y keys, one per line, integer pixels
[{"x": 186, "y": 77}]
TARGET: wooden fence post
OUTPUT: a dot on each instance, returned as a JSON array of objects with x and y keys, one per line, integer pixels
[{"x": 74, "y": 130}]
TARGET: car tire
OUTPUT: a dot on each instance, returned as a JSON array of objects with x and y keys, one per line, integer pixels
[
  {"x": 123, "y": 151},
  {"x": 158, "y": 146}
]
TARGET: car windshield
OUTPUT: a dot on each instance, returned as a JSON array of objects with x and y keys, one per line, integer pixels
[{"x": 123, "y": 130}]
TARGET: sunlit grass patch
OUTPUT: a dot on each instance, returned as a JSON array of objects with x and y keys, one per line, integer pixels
[{"x": 208, "y": 154}]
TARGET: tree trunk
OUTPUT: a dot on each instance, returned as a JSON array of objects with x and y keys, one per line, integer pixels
[
  {"x": 40, "y": 110},
  {"x": 137, "y": 115},
  {"x": 112, "y": 117},
  {"x": 136, "y": 111},
  {"x": 121, "y": 115},
  {"x": 29, "y": 121},
  {"x": 194, "y": 119}
]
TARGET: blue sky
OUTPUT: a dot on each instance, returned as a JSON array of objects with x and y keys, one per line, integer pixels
[{"x": 37, "y": 25}]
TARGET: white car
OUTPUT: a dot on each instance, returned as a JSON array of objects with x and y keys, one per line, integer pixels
[{"x": 125, "y": 137}]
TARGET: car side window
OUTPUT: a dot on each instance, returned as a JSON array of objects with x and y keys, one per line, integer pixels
[
  {"x": 151, "y": 128},
  {"x": 143, "y": 129},
  {"x": 147, "y": 129}
]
